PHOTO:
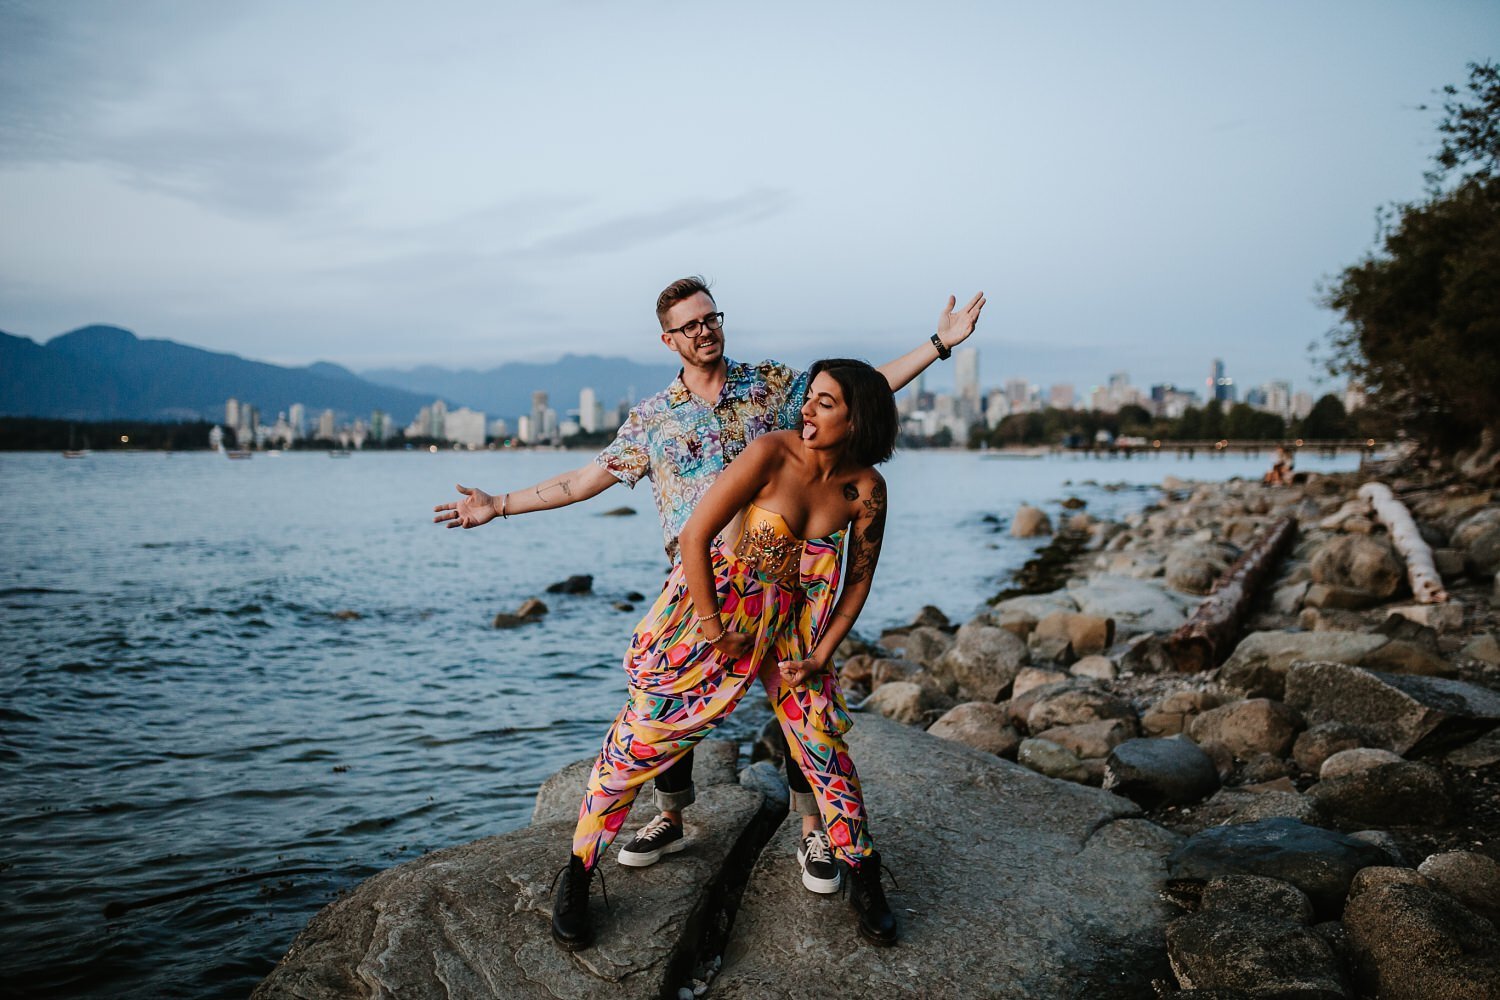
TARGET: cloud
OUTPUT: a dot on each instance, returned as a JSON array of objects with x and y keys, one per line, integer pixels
[{"x": 628, "y": 231}]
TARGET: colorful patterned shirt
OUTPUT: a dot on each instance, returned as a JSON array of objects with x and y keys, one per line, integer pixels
[{"x": 682, "y": 444}]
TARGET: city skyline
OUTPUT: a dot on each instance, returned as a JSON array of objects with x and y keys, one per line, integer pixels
[{"x": 1143, "y": 186}]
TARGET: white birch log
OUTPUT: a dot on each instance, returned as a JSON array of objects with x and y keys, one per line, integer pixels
[{"x": 1426, "y": 584}]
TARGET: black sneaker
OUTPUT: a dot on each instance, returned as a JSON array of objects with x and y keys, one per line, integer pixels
[
  {"x": 877, "y": 924},
  {"x": 570, "y": 906},
  {"x": 658, "y": 837},
  {"x": 819, "y": 871}
]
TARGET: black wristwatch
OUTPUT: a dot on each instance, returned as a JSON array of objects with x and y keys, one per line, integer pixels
[{"x": 944, "y": 353}]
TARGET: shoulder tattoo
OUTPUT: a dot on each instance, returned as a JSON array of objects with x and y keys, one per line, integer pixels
[{"x": 851, "y": 492}]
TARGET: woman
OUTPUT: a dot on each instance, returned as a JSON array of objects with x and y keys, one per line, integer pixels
[{"x": 758, "y": 600}]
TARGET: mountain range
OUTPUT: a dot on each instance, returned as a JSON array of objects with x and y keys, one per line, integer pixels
[{"x": 106, "y": 373}]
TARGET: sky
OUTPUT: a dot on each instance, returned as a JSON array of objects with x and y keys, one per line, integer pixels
[{"x": 1139, "y": 187}]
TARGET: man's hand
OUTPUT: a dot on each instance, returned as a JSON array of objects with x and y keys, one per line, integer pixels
[
  {"x": 476, "y": 508},
  {"x": 796, "y": 672},
  {"x": 733, "y": 644},
  {"x": 954, "y": 327}
]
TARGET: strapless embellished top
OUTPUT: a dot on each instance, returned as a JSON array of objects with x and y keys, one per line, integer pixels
[{"x": 769, "y": 547}]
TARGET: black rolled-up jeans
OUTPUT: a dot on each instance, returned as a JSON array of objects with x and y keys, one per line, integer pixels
[{"x": 675, "y": 790}]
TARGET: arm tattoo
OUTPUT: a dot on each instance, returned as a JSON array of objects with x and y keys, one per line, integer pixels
[
  {"x": 865, "y": 549},
  {"x": 567, "y": 490}
]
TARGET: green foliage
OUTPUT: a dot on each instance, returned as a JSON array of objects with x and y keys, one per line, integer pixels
[
  {"x": 1421, "y": 314},
  {"x": 1327, "y": 420}
]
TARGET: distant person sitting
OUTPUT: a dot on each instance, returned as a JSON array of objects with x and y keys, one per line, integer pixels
[{"x": 1281, "y": 469}]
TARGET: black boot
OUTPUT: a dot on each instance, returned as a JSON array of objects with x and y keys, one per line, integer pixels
[
  {"x": 570, "y": 906},
  {"x": 877, "y": 924}
]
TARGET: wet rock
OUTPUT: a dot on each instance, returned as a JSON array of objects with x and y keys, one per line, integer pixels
[
  {"x": 1354, "y": 760},
  {"x": 347, "y": 615},
  {"x": 1483, "y": 647},
  {"x": 637, "y": 596},
  {"x": 1058, "y": 897},
  {"x": 1319, "y": 862},
  {"x": 1155, "y": 772},
  {"x": 1251, "y": 933},
  {"x": 623, "y": 606},
  {"x": 531, "y": 608},
  {"x": 619, "y": 512},
  {"x": 1325, "y": 596},
  {"x": 1383, "y": 840},
  {"x": 506, "y": 620},
  {"x": 1317, "y": 743},
  {"x": 983, "y": 661},
  {"x": 981, "y": 725},
  {"x": 1448, "y": 562},
  {"x": 1246, "y": 728},
  {"x": 1413, "y": 942},
  {"x": 1410, "y": 715},
  {"x": 1480, "y": 753},
  {"x": 582, "y": 583},
  {"x": 474, "y": 920},
  {"x": 1193, "y": 567},
  {"x": 1360, "y": 563},
  {"x": 930, "y": 617},
  {"x": 1401, "y": 657},
  {"x": 1469, "y": 877},
  {"x": 1479, "y": 538},
  {"x": 1259, "y": 663},
  {"x": 1030, "y": 522},
  {"x": 1091, "y": 739},
  {"x": 1240, "y": 805},
  {"x": 1175, "y": 712},
  {"x": 1395, "y": 794},
  {"x": 1135, "y": 605},
  {"x": 1046, "y": 757}
]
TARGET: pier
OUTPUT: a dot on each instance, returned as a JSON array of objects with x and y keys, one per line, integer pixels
[{"x": 1132, "y": 447}]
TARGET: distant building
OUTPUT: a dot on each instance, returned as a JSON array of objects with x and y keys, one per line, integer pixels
[
  {"x": 1354, "y": 397},
  {"x": 538, "y": 418},
  {"x": 1061, "y": 396},
  {"x": 325, "y": 425},
  {"x": 466, "y": 427},
  {"x": 232, "y": 414},
  {"x": 380, "y": 426},
  {"x": 499, "y": 429},
  {"x": 523, "y": 429},
  {"x": 590, "y": 411},
  {"x": 1220, "y": 385},
  {"x": 437, "y": 420},
  {"x": 966, "y": 383},
  {"x": 1302, "y": 404},
  {"x": 297, "y": 417}
]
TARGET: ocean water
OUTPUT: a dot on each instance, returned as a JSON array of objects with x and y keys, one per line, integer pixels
[{"x": 229, "y": 690}]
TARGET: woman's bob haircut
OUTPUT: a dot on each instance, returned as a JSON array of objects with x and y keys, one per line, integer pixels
[{"x": 872, "y": 407}]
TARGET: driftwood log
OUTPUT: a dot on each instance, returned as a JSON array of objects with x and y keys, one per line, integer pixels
[
  {"x": 1426, "y": 584},
  {"x": 1206, "y": 638}
]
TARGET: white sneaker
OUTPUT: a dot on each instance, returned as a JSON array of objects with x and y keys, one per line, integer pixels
[
  {"x": 658, "y": 837},
  {"x": 819, "y": 871}
]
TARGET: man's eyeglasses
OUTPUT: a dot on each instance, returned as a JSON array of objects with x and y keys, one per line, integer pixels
[{"x": 713, "y": 321}]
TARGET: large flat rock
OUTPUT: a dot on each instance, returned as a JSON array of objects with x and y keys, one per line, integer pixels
[
  {"x": 1011, "y": 885},
  {"x": 1410, "y": 715},
  {"x": 475, "y": 920}
]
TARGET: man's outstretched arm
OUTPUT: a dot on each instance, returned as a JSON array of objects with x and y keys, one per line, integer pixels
[
  {"x": 953, "y": 329},
  {"x": 478, "y": 507}
]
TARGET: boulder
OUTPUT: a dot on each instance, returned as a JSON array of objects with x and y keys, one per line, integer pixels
[
  {"x": 902, "y": 701},
  {"x": 1051, "y": 759},
  {"x": 926, "y": 645},
  {"x": 1049, "y": 640},
  {"x": 1026, "y": 888},
  {"x": 979, "y": 724},
  {"x": 1327, "y": 596},
  {"x": 1135, "y": 605},
  {"x": 1030, "y": 522},
  {"x": 1448, "y": 562},
  {"x": 1014, "y": 613},
  {"x": 858, "y": 671},
  {"x": 1029, "y": 679},
  {"x": 1071, "y": 707},
  {"x": 1481, "y": 753},
  {"x": 1100, "y": 668},
  {"x": 1317, "y": 743},
  {"x": 1287, "y": 599},
  {"x": 1193, "y": 567},
  {"x": 983, "y": 661},
  {"x": 1252, "y": 934},
  {"x": 1319, "y": 862},
  {"x": 505, "y": 619},
  {"x": 1469, "y": 877},
  {"x": 474, "y": 920},
  {"x": 1398, "y": 656},
  {"x": 1483, "y": 647},
  {"x": 532, "y": 607},
  {"x": 1410, "y": 715},
  {"x": 1479, "y": 538},
  {"x": 1354, "y": 760},
  {"x": 1160, "y": 772},
  {"x": 1404, "y": 793},
  {"x": 931, "y": 617},
  {"x": 1175, "y": 712},
  {"x": 1244, "y": 805},
  {"x": 1358, "y": 562},
  {"x": 1413, "y": 942},
  {"x": 1246, "y": 728},
  {"x": 582, "y": 583},
  {"x": 767, "y": 779},
  {"x": 1089, "y": 740},
  {"x": 1441, "y": 618},
  {"x": 1259, "y": 663}
]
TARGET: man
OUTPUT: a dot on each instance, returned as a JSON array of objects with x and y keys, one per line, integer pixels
[{"x": 681, "y": 439}]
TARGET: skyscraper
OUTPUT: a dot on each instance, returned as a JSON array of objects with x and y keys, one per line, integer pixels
[
  {"x": 1220, "y": 385},
  {"x": 589, "y": 410},
  {"x": 538, "y": 423}
]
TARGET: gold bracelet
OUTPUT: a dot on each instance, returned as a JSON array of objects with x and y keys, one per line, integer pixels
[{"x": 504, "y": 498}]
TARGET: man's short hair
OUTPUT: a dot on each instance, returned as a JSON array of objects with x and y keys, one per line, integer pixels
[{"x": 682, "y": 288}]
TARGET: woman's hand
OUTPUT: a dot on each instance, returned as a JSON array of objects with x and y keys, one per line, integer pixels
[
  {"x": 476, "y": 508},
  {"x": 733, "y": 644},
  {"x": 796, "y": 672}
]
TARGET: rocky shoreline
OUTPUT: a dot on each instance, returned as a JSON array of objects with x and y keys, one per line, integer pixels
[{"x": 1066, "y": 813}]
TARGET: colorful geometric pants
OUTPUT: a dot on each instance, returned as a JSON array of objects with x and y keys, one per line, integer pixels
[{"x": 681, "y": 689}]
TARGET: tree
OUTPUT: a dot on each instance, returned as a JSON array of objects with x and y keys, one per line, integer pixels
[
  {"x": 1421, "y": 314},
  {"x": 1326, "y": 421},
  {"x": 1212, "y": 426}
]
